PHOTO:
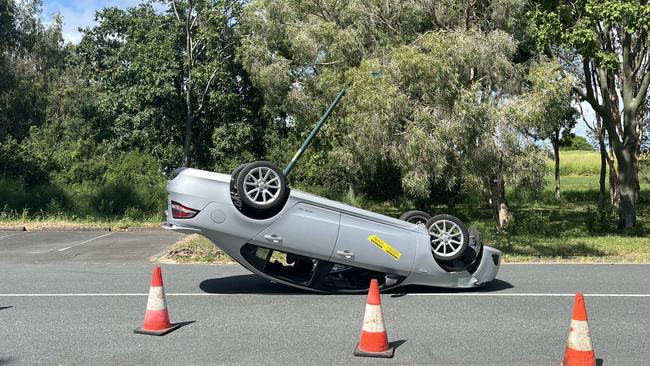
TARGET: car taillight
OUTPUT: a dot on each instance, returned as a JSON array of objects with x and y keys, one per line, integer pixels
[{"x": 181, "y": 212}]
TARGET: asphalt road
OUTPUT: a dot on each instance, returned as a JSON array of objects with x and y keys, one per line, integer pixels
[{"x": 79, "y": 306}]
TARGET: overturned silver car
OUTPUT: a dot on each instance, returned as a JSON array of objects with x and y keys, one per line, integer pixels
[{"x": 313, "y": 243}]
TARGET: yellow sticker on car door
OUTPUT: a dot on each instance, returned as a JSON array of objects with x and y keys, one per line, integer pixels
[{"x": 385, "y": 247}]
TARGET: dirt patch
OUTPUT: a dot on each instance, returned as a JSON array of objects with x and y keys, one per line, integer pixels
[{"x": 194, "y": 249}]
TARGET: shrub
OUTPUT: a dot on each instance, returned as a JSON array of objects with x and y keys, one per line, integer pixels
[
  {"x": 19, "y": 165},
  {"x": 133, "y": 186},
  {"x": 573, "y": 142},
  {"x": 601, "y": 221},
  {"x": 16, "y": 196},
  {"x": 529, "y": 222}
]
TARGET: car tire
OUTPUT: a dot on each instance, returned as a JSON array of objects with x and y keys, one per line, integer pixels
[
  {"x": 234, "y": 195},
  {"x": 416, "y": 217},
  {"x": 262, "y": 187},
  {"x": 468, "y": 260},
  {"x": 449, "y": 237},
  {"x": 233, "y": 178}
]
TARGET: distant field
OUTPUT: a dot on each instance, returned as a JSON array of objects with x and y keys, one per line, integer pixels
[
  {"x": 577, "y": 163},
  {"x": 579, "y": 172}
]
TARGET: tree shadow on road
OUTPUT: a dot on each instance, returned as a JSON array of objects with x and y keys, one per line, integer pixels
[
  {"x": 538, "y": 247},
  {"x": 6, "y": 361}
]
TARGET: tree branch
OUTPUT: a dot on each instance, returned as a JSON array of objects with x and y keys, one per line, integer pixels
[
  {"x": 207, "y": 87},
  {"x": 643, "y": 91},
  {"x": 639, "y": 60},
  {"x": 589, "y": 95},
  {"x": 584, "y": 119},
  {"x": 194, "y": 21},
  {"x": 608, "y": 118},
  {"x": 195, "y": 45},
  {"x": 178, "y": 18},
  {"x": 627, "y": 59}
]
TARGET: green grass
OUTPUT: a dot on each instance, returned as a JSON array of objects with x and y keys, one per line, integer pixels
[
  {"x": 577, "y": 163},
  {"x": 545, "y": 229},
  {"x": 583, "y": 249},
  {"x": 68, "y": 222}
]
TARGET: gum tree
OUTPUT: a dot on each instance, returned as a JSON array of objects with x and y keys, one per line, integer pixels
[
  {"x": 466, "y": 126},
  {"x": 547, "y": 108},
  {"x": 441, "y": 115},
  {"x": 611, "y": 41}
]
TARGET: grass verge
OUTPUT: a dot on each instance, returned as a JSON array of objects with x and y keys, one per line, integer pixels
[
  {"x": 518, "y": 249},
  {"x": 59, "y": 222},
  {"x": 586, "y": 249}
]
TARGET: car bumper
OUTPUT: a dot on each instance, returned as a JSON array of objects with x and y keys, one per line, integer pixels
[{"x": 180, "y": 229}]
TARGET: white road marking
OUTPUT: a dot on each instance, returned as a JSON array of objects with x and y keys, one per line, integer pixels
[
  {"x": 526, "y": 295},
  {"x": 111, "y": 295},
  {"x": 385, "y": 295},
  {"x": 6, "y": 236},
  {"x": 84, "y": 242}
]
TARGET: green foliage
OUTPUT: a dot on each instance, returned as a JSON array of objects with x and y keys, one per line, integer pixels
[
  {"x": 545, "y": 108},
  {"x": 530, "y": 222},
  {"x": 573, "y": 23},
  {"x": 101, "y": 121},
  {"x": 414, "y": 128},
  {"x": 15, "y": 196},
  {"x": 18, "y": 164},
  {"x": 234, "y": 144},
  {"x": 131, "y": 185},
  {"x": 31, "y": 55},
  {"x": 136, "y": 61},
  {"x": 89, "y": 129},
  {"x": 570, "y": 142},
  {"x": 600, "y": 221}
]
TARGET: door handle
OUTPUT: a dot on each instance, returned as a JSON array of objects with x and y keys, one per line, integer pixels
[
  {"x": 274, "y": 238},
  {"x": 345, "y": 253}
]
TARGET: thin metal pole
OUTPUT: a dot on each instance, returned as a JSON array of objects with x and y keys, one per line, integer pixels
[{"x": 313, "y": 133}]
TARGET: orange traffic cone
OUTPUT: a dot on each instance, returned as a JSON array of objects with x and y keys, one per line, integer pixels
[
  {"x": 374, "y": 340},
  {"x": 156, "y": 318},
  {"x": 579, "y": 351}
]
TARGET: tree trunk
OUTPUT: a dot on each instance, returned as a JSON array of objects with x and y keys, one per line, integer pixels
[
  {"x": 189, "y": 119},
  {"x": 603, "y": 172},
  {"x": 637, "y": 154},
  {"x": 497, "y": 190},
  {"x": 614, "y": 191},
  {"x": 188, "y": 133},
  {"x": 556, "y": 154},
  {"x": 628, "y": 178},
  {"x": 628, "y": 174},
  {"x": 351, "y": 190}
]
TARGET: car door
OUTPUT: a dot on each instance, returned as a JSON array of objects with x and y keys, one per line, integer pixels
[
  {"x": 304, "y": 229},
  {"x": 373, "y": 245}
]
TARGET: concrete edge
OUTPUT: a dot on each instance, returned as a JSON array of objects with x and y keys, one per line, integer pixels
[
  {"x": 79, "y": 228},
  {"x": 13, "y": 228}
]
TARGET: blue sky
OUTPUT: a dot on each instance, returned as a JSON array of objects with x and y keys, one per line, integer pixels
[
  {"x": 79, "y": 13},
  {"x": 82, "y": 14}
]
